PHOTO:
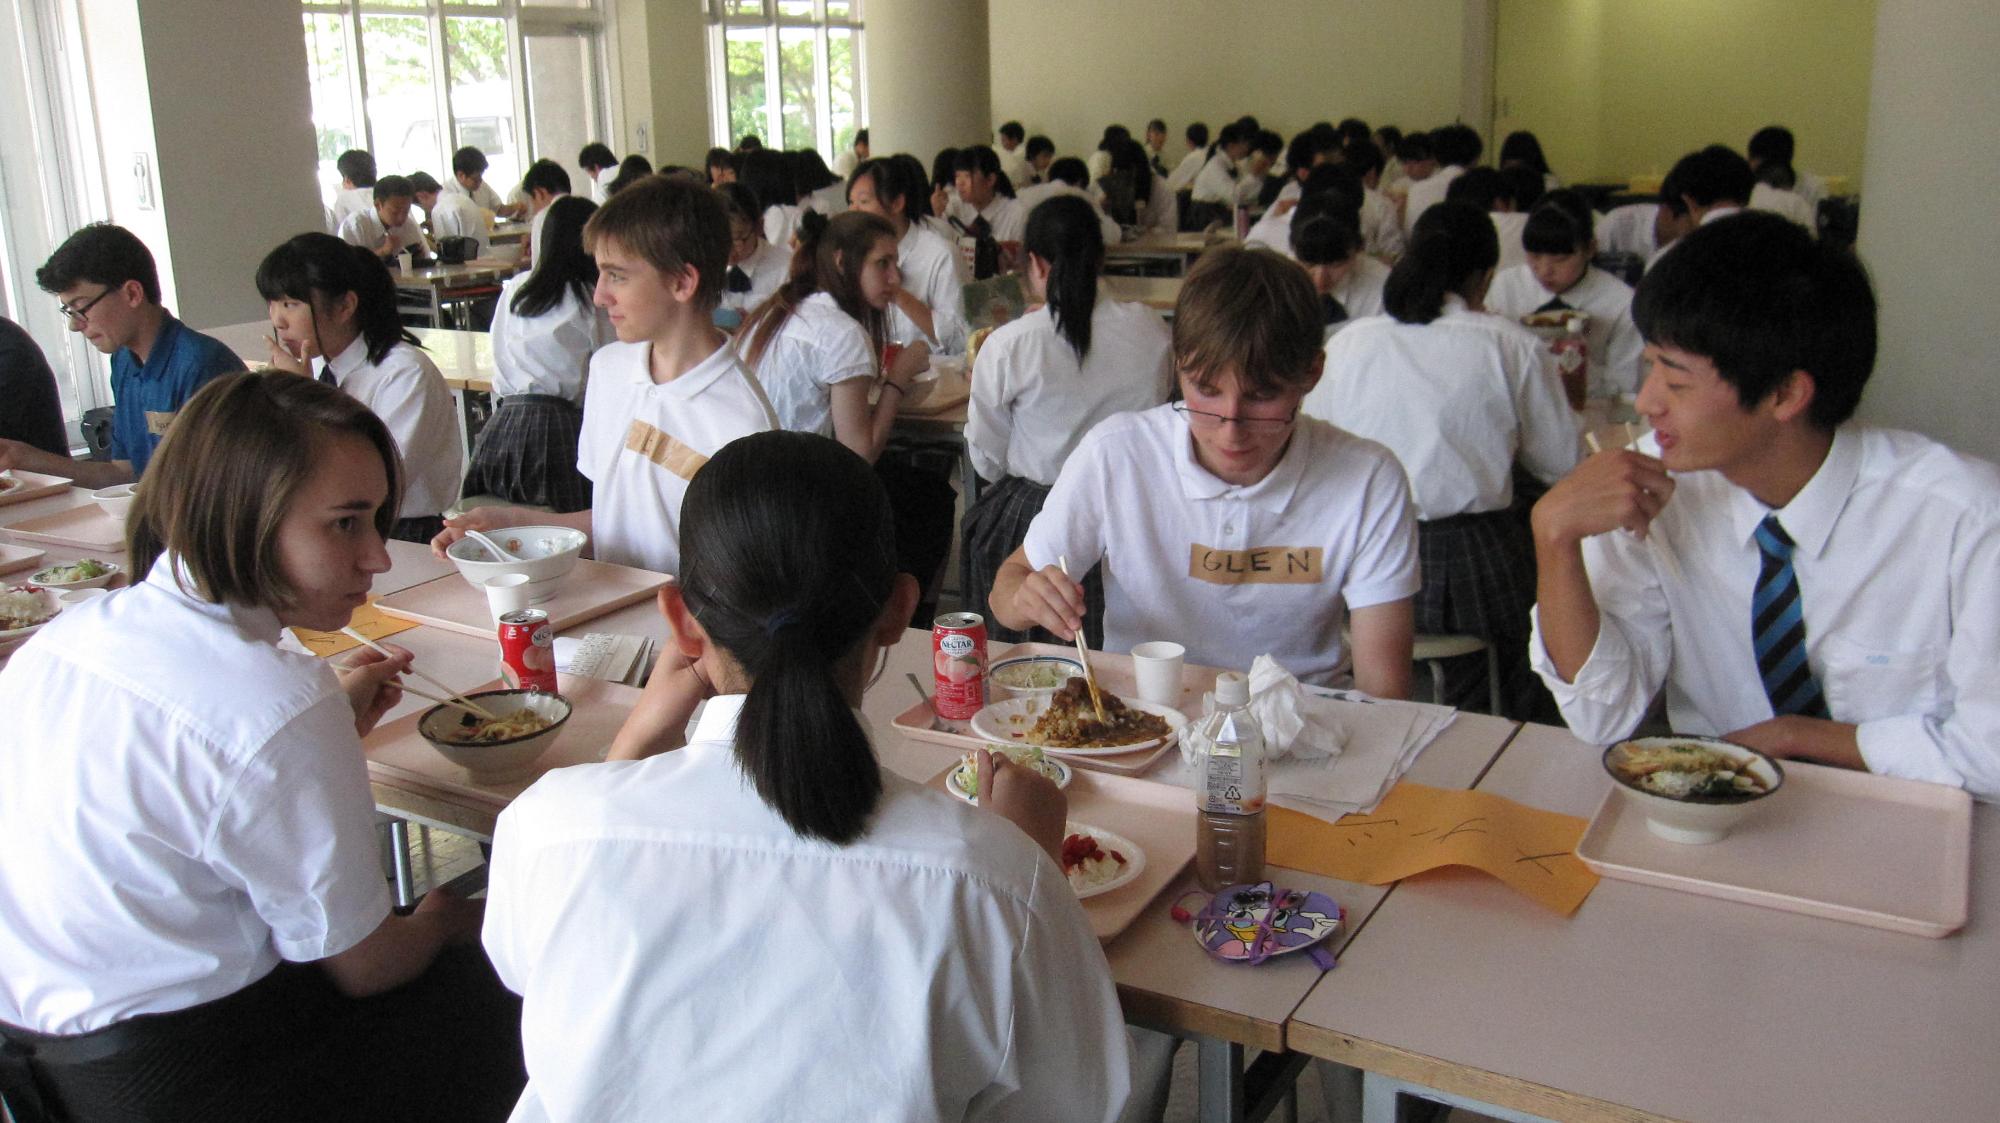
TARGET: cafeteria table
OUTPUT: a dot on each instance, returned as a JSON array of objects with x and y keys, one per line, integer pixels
[
  {"x": 427, "y": 290},
  {"x": 1158, "y": 293},
  {"x": 1170, "y": 254},
  {"x": 1654, "y": 1004}
]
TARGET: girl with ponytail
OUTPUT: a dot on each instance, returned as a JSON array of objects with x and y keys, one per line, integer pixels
[
  {"x": 680, "y": 884},
  {"x": 1461, "y": 397},
  {"x": 1044, "y": 380},
  {"x": 817, "y": 344}
]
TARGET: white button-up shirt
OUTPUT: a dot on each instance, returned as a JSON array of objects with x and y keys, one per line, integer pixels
[
  {"x": 1222, "y": 182},
  {"x": 1616, "y": 366},
  {"x": 767, "y": 267},
  {"x": 1232, "y": 572},
  {"x": 642, "y": 441},
  {"x": 457, "y": 216},
  {"x": 929, "y": 265},
  {"x": 1898, "y": 564},
  {"x": 365, "y": 229},
  {"x": 549, "y": 353},
  {"x": 406, "y": 391},
  {"x": 1628, "y": 229},
  {"x": 182, "y": 805},
  {"x": 1427, "y": 193},
  {"x": 818, "y": 348},
  {"x": 684, "y": 953},
  {"x": 485, "y": 197},
  {"x": 1185, "y": 171},
  {"x": 1032, "y": 402},
  {"x": 1005, "y": 215}
]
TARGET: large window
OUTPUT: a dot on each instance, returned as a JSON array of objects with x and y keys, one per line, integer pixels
[
  {"x": 414, "y": 80},
  {"x": 788, "y": 71}
]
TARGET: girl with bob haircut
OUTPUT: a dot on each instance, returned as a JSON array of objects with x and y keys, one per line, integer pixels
[
  {"x": 333, "y": 314},
  {"x": 1044, "y": 381},
  {"x": 816, "y": 344},
  {"x": 1560, "y": 241},
  {"x": 212, "y": 938},
  {"x": 946, "y": 927},
  {"x": 544, "y": 331},
  {"x": 1460, "y": 397}
]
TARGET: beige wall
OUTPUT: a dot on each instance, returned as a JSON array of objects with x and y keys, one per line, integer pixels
[
  {"x": 926, "y": 62},
  {"x": 1067, "y": 68},
  {"x": 1615, "y": 88},
  {"x": 662, "y": 88}
]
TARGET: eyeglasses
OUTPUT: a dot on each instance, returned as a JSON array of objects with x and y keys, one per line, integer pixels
[
  {"x": 1200, "y": 419},
  {"x": 78, "y": 315}
]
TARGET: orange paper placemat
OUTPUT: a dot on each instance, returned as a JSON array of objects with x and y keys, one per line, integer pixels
[
  {"x": 1420, "y": 828},
  {"x": 368, "y": 620}
]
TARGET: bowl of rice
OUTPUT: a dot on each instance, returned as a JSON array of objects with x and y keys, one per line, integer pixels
[
  {"x": 1032, "y": 676},
  {"x": 22, "y": 614},
  {"x": 546, "y": 553},
  {"x": 527, "y": 723},
  {"x": 1692, "y": 789}
]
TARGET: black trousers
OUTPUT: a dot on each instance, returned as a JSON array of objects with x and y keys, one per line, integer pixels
[{"x": 446, "y": 1045}]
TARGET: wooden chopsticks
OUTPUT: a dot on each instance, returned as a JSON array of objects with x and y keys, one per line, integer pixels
[
  {"x": 456, "y": 699},
  {"x": 1083, "y": 656}
]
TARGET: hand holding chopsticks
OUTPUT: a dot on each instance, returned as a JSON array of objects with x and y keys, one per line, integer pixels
[
  {"x": 456, "y": 699},
  {"x": 1083, "y": 657}
]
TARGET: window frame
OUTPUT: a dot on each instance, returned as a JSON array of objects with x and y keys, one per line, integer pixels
[{"x": 771, "y": 21}]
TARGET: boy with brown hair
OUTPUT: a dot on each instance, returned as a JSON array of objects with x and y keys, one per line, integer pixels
[{"x": 1227, "y": 521}]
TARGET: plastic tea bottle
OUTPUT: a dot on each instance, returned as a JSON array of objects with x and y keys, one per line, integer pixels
[{"x": 1229, "y": 789}]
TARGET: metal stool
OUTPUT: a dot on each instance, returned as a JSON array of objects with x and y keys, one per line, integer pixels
[{"x": 1434, "y": 650}]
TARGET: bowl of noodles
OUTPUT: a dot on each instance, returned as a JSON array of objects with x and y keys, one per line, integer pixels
[
  {"x": 1692, "y": 789},
  {"x": 526, "y": 723}
]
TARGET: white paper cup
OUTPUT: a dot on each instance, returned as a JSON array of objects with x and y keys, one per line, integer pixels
[
  {"x": 506, "y": 593},
  {"x": 1157, "y": 666}
]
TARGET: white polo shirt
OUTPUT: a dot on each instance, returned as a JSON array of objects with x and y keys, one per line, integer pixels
[
  {"x": 549, "y": 353},
  {"x": 819, "y": 347},
  {"x": 1615, "y": 364},
  {"x": 484, "y": 197},
  {"x": 1218, "y": 181},
  {"x": 365, "y": 229},
  {"x": 351, "y": 200},
  {"x": 406, "y": 391},
  {"x": 767, "y": 267},
  {"x": 457, "y": 216},
  {"x": 1628, "y": 229},
  {"x": 1232, "y": 572},
  {"x": 1426, "y": 193},
  {"x": 1508, "y": 227},
  {"x": 182, "y": 806},
  {"x": 929, "y": 265},
  {"x": 1185, "y": 171},
  {"x": 1360, "y": 292},
  {"x": 1381, "y": 227},
  {"x": 642, "y": 441}
]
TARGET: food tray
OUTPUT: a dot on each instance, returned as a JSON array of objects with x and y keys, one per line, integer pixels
[
  {"x": 1834, "y": 843},
  {"x": 34, "y": 485},
  {"x": 85, "y": 528},
  {"x": 1114, "y": 673},
  {"x": 16, "y": 558},
  {"x": 398, "y": 755},
  {"x": 950, "y": 391},
  {"x": 1158, "y": 817},
  {"x": 592, "y": 589}
]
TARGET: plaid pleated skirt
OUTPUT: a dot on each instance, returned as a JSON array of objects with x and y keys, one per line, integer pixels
[
  {"x": 527, "y": 454},
  {"x": 995, "y": 526},
  {"x": 1479, "y": 580}
]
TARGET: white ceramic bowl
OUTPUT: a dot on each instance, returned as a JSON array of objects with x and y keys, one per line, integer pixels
[
  {"x": 116, "y": 500},
  {"x": 1696, "y": 819},
  {"x": 14, "y": 637},
  {"x": 496, "y": 760},
  {"x": 548, "y": 553},
  {"x": 998, "y": 674},
  {"x": 111, "y": 570}
]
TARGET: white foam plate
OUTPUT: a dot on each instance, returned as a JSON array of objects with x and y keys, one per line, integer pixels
[
  {"x": 1135, "y": 858},
  {"x": 1009, "y": 722}
]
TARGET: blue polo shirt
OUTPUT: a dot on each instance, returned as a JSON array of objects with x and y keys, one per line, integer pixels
[{"x": 147, "y": 396}]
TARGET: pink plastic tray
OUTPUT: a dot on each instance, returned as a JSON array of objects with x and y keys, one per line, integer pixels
[
  {"x": 86, "y": 528},
  {"x": 33, "y": 485},
  {"x": 1844, "y": 845},
  {"x": 14, "y": 558},
  {"x": 592, "y": 589}
]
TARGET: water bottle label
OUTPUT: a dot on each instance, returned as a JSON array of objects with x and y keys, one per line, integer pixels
[{"x": 1223, "y": 785}]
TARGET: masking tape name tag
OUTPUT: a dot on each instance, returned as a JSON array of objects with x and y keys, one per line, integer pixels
[
  {"x": 1258, "y": 565},
  {"x": 664, "y": 450},
  {"x": 156, "y": 423}
]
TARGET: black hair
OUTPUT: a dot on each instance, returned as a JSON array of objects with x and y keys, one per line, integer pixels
[
  {"x": 750, "y": 142},
  {"x": 1415, "y": 147},
  {"x": 982, "y": 160},
  {"x": 103, "y": 254},
  {"x": 1064, "y": 232},
  {"x": 561, "y": 263},
  {"x": 1561, "y": 223},
  {"x": 741, "y": 203},
  {"x": 809, "y": 171},
  {"x": 1129, "y": 183},
  {"x": 1268, "y": 142},
  {"x": 1039, "y": 144},
  {"x": 1197, "y": 134},
  {"x": 1305, "y": 150},
  {"x": 943, "y": 167},
  {"x": 1391, "y": 136},
  {"x": 1481, "y": 187},
  {"x": 357, "y": 167},
  {"x": 768, "y": 175},
  {"x": 1248, "y": 125},
  {"x": 421, "y": 183},
  {"x": 1157, "y": 125},
  {"x": 1715, "y": 174},
  {"x": 1521, "y": 147},
  {"x": 631, "y": 170},
  {"x": 1320, "y": 238},
  {"x": 1353, "y": 129},
  {"x": 1069, "y": 170},
  {"x": 319, "y": 267},
  {"x": 719, "y": 158},
  {"x": 393, "y": 187},
  {"x": 1361, "y": 157},
  {"x": 596, "y": 156},
  {"x": 1232, "y": 133},
  {"x": 1341, "y": 183},
  {"x": 1670, "y": 193},
  {"x": 1457, "y": 144},
  {"x": 887, "y": 180},
  {"x": 914, "y": 184},
  {"x": 1772, "y": 144},
  {"x": 1013, "y": 131},
  {"x": 1759, "y": 297},
  {"x": 545, "y": 175},
  {"x": 468, "y": 161},
  {"x": 860, "y": 137},
  {"x": 1113, "y": 134},
  {"x": 788, "y": 555},
  {"x": 1451, "y": 244},
  {"x": 1525, "y": 185}
]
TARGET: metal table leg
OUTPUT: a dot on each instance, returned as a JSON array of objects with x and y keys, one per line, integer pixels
[
  {"x": 406, "y": 882},
  {"x": 1227, "y": 1092}
]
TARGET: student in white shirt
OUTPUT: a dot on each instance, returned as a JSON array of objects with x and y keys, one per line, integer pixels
[
  {"x": 197, "y": 922},
  {"x": 1156, "y": 146},
  {"x": 943, "y": 199},
  {"x": 1348, "y": 280},
  {"x": 756, "y": 267},
  {"x": 769, "y": 177},
  {"x": 1182, "y": 177},
  {"x": 1770, "y": 152},
  {"x": 1781, "y": 515},
  {"x": 1307, "y": 150},
  {"x": 468, "y": 175},
  {"x": 1523, "y": 149},
  {"x": 928, "y": 306},
  {"x": 1069, "y": 176},
  {"x": 1381, "y": 223},
  {"x": 1558, "y": 276},
  {"x": 1153, "y": 208},
  {"x": 1485, "y": 189},
  {"x": 845, "y": 163},
  {"x": 450, "y": 216},
  {"x": 333, "y": 308},
  {"x": 1460, "y": 397},
  {"x": 1098, "y": 163},
  {"x": 1012, "y": 157},
  {"x": 1456, "y": 148},
  {"x": 816, "y": 344},
  {"x": 1041, "y": 153},
  {"x": 721, "y": 166},
  {"x": 599, "y": 164},
  {"x": 1226, "y": 521},
  {"x": 665, "y": 397},
  {"x": 545, "y": 329},
  {"x": 631, "y": 170},
  {"x": 986, "y": 209},
  {"x": 964, "y": 983},
  {"x": 1043, "y": 381},
  {"x": 357, "y": 185},
  {"x": 544, "y": 183},
  {"x": 819, "y": 189},
  {"x": 1216, "y": 189},
  {"x": 388, "y": 228},
  {"x": 1770, "y": 195},
  {"x": 1415, "y": 162},
  {"x": 1273, "y": 231}
]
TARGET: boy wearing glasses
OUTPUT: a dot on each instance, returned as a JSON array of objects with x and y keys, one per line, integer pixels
[
  {"x": 1228, "y": 522},
  {"x": 110, "y": 292}
]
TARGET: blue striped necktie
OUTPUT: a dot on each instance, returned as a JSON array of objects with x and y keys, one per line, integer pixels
[{"x": 1778, "y": 628}]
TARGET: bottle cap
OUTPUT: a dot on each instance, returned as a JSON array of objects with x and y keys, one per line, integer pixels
[{"x": 1232, "y": 689}]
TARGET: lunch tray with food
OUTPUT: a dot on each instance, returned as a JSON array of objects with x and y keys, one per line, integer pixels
[
  {"x": 85, "y": 528},
  {"x": 17, "y": 486},
  {"x": 1829, "y": 842},
  {"x": 590, "y": 590},
  {"x": 1156, "y": 820}
]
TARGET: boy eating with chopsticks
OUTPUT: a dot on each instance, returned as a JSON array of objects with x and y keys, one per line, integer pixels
[
  {"x": 1227, "y": 521},
  {"x": 1810, "y": 588}
]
